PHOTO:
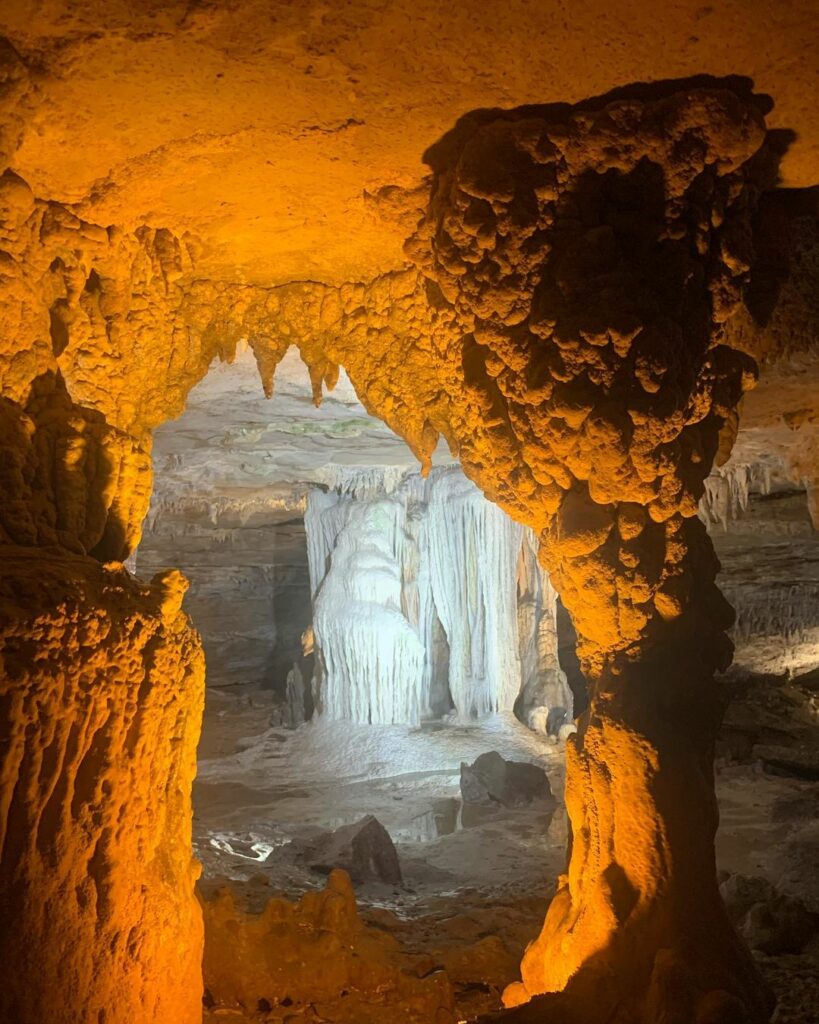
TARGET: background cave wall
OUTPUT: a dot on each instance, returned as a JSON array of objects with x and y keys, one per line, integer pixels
[{"x": 249, "y": 593}]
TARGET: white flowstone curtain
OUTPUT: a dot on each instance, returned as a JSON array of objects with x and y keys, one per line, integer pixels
[
  {"x": 473, "y": 548},
  {"x": 391, "y": 556},
  {"x": 373, "y": 659}
]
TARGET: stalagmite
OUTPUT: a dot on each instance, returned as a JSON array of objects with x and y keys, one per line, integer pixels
[
  {"x": 100, "y": 729},
  {"x": 547, "y": 698},
  {"x": 372, "y": 658},
  {"x": 564, "y": 324}
]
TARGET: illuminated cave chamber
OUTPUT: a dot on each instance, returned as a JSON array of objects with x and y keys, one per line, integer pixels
[
  {"x": 570, "y": 298},
  {"x": 367, "y": 630},
  {"x": 355, "y": 591}
]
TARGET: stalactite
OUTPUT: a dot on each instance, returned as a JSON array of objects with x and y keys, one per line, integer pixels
[
  {"x": 473, "y": 550},
  {"x": 782, "y": 612},
  {"x": 728, "y": 489}
]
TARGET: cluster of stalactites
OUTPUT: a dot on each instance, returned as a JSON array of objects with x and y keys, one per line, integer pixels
[
  {"x": 728, "y": 490},
  {"x": 449, "y": 560}
]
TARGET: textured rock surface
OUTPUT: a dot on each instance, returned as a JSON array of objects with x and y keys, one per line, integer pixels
[
  {"x": 364, "y": 850},
  {"x": 101, "y": 681},
  {"x": 564, "y": 333},
  {"x": 767, "y": 920},
  {"x": 510, "y": 783},
  {"x": 606, "y": 387},
  {"x": 278, "y": 132},
  {"x": 318, "y": 952}
]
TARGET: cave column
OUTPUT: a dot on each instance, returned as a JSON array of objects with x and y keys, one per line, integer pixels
[
  {"x": 591, "y": 257},
  {"x": 101, "y": 676},
  {"x": 101, "y": 694}
]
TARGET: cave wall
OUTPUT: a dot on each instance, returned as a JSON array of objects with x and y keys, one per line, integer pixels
[
  {"x": 492, "y": 339},
  {"x": 249, "y": 593}
]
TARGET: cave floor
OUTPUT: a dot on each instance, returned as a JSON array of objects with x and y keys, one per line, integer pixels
[
  {"x": 260, "y": 788},
  {"x": 476, "y": 884}
]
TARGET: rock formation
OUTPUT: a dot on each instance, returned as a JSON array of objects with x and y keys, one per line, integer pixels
[
  {"x": 492, "y": 779},
  {"x": 319, "y": 952},
  {"x": 564, "y": 325},
  {"x": 102, "y": 686},
  {"x": 592, "y": 256},
  {"x": 417, "y": 557}
]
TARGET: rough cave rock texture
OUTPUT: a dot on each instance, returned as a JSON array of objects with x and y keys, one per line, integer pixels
[
  {"x": 592, "y": 257},
  {"x": 317, "y": 951},
  {"x": 288, "y": 136},
  {"x": 562, "y": 328},
  {"x": 101, "y": 696}
]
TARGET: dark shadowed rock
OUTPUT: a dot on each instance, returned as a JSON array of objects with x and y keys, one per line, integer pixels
[
  {"x": 799, "y": 762},
  {"x": 741, "y": 892},
  {"x": 768, "y": 920},
  {"x": 492, "y": 779},
  {"x": 364, "y": 850},
  {"x": 784, "y": 925}
]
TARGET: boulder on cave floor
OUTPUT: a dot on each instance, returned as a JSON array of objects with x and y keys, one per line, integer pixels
[
  {"x": 800, "y": 762},
  {"x": 769, "y": 921},
  {"x": 364, "y": 850},
  {"x": 493, "y": 779}
]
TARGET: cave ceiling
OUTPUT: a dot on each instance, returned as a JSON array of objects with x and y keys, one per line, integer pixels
[
  {"x": 260, "y": 166},
  {"x": 288, "y": 137},
  {"x": 234, "y": 447}
]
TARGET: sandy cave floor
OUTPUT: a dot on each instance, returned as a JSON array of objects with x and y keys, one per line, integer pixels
[{"x": 470, "y": 876}]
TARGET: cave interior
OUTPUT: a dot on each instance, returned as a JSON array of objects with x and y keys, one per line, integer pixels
[{"x": 409, "y": 513}]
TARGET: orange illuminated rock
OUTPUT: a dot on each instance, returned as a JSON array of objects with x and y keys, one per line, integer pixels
[
  {"x": 596, "y": 253},
  {"x": 316, "y": 951},
  {"x": 565, "y": 327},
  {"x": 101, "y": 696}
]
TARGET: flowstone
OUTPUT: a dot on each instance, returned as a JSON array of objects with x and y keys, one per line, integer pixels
[{"x": 394, "y": 563}]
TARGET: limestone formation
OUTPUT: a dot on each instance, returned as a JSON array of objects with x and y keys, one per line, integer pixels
[
  {"x": 101, "y": 681},
  {"x": 315, "y": 952},
  {"x": 564, "y": 325},
  {"x": 418, "y": 559},
  {"x": 492, "y": 779},
  {"x": 363, "y": 849},
  {"x": 591, "y": 257}
]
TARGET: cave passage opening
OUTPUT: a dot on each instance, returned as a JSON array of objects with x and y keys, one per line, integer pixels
[
  {"x": 563, "y": 326},
  {"x": 252, "y": 499}
]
